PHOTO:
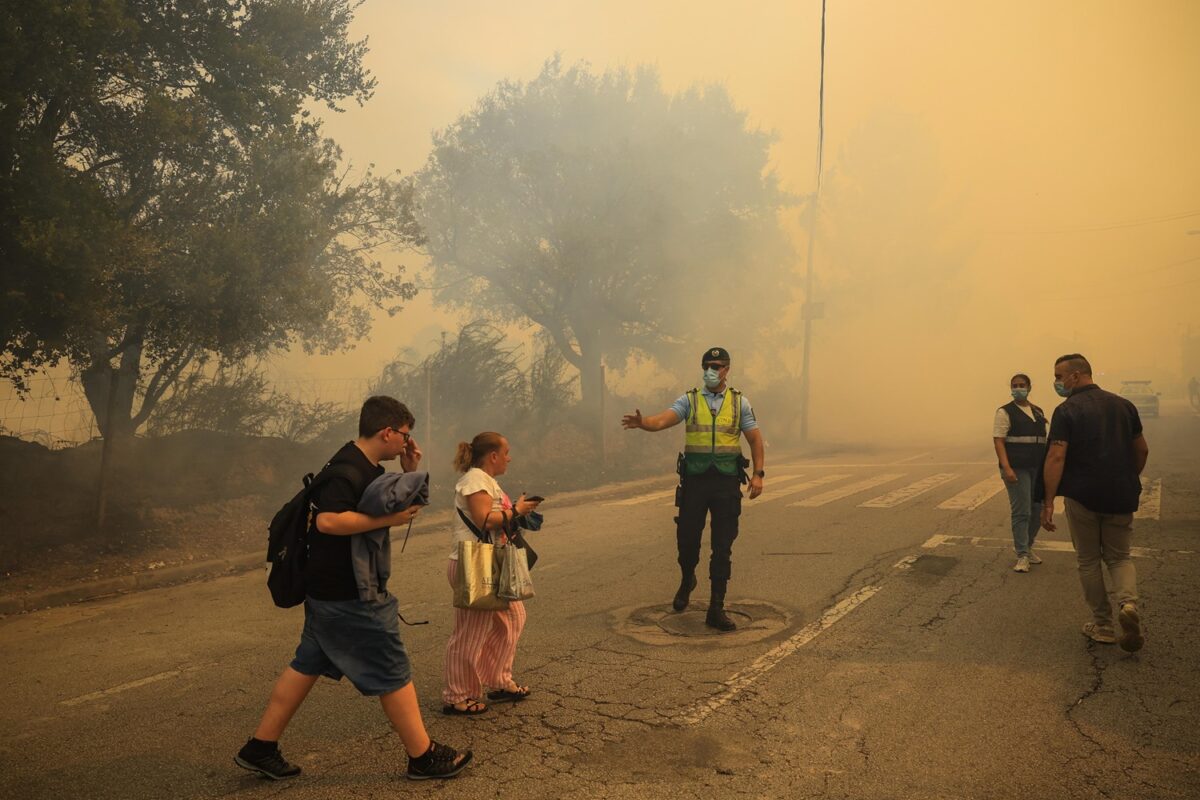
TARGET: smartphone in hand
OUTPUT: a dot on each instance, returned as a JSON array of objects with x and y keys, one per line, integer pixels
[{"x": 534, "y": 498}]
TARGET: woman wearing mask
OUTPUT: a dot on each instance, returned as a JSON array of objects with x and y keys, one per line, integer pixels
[
  {"x": 1019, "y": 434},
  {"x": 482, "y": 647}
]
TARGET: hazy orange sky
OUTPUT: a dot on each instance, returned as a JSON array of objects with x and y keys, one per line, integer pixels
[{"x": 1061, "y": 138}]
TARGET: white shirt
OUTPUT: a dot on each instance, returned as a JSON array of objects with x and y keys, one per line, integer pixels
[
  {"x": 1001, "y": 424},
  {"x": 475, "y": 480}
]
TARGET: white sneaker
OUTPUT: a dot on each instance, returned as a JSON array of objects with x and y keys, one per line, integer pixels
[
  {"x": 1022, "y": 564},
  {"x": 1033, "y": 558},
  {"x": 1099, "y": 633}
]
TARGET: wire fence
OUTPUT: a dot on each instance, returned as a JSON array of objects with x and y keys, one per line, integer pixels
[{"x": 55, "y": 412}]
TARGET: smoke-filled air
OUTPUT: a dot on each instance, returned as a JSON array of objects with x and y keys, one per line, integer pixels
[{"x": 533, "y": 219}]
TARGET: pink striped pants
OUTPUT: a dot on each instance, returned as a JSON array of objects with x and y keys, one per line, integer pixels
[{"x": 482, "y": 648}]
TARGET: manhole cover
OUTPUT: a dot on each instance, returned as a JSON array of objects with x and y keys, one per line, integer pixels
[
  {"x": 691, "y": 622},
  {"x": 661, "y": 624}
]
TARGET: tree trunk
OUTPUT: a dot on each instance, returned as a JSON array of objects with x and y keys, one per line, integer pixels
[{"x": 110, "y": 392}]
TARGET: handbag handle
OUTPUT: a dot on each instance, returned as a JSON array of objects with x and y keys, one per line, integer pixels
[{"x": 482, "y": 536}]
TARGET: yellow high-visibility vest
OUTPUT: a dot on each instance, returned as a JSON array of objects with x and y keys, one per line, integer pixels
[{"x": 714, "y": 442}]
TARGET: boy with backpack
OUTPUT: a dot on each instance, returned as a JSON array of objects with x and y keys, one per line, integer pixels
[{"x": 343, "y": 635}]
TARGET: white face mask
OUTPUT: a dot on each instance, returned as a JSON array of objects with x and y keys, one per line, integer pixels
[{"x": 712, "y": 378}]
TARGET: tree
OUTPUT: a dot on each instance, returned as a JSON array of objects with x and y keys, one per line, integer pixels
[
  {"x": 615, "y": 216},
  {"x": 166, "y": 196}
]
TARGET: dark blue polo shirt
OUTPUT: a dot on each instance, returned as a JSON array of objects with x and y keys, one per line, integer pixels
[{"x": 1100, "y": 471}]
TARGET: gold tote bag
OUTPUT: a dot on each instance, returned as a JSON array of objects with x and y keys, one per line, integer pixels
[{"x": 478, "y": 573}]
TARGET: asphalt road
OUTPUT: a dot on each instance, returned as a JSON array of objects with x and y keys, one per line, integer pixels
[{"x": 887, "y": 651}]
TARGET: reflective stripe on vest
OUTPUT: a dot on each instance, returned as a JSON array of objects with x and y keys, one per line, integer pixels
[
  {"x": 1025, "y": 439},
  {"x": 714, "y": 442}
]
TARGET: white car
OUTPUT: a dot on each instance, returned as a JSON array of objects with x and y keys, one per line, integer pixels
[{"x": 1142, "y": 395}]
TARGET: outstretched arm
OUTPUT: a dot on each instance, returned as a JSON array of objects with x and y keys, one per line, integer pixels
[{"x": 657, "y": 422}]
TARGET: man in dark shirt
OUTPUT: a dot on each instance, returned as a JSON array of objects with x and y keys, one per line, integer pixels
[
  {"x": 1096, "y": 455},
  {"x": 344, "y": 636}
]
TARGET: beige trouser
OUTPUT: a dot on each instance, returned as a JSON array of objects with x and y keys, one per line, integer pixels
[{"x": 1102, "y": 537}]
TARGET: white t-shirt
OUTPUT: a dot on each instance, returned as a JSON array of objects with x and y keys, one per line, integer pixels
[
  {"x": 1001, "y": 423},
  {"x": 475, "y": 480}
]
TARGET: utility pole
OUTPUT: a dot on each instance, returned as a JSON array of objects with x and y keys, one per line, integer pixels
[{"x": 811, "y": 310}]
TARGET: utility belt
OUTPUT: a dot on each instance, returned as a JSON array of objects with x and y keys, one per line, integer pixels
[{"x": 681, "y": 470}]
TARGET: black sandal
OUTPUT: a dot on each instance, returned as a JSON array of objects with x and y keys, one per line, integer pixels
[
  {"x": 505, "y": 696},
  {"x": 474, "y": 708}
]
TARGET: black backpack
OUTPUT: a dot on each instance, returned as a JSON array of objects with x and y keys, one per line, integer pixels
[{"x": 287, "y": 537}]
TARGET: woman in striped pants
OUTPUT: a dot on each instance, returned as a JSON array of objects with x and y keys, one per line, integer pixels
[{"x": 484, "y": 643}]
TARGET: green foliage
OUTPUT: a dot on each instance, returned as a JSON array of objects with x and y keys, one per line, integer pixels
[
  {"x": 475, "y": 382},
  {"x": 615, "y": 216},
  {"x": 166, "y": 197},
  {"x": 236, "y": 399}
]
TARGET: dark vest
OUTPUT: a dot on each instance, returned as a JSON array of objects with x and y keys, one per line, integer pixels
[{"x": 1026, "y": 439}]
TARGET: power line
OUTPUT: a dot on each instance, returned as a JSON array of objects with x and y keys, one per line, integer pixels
[{"x": 1133, "y": 223}]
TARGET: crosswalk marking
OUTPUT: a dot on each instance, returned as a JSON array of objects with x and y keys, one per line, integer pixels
[
  {"x": 670, "y": 493},
  {"x": 1042, "y": 546},
  {"x": 906, "y": 493},
  {"x": 975, "y": 495},
  {"x": 1151, "y": 503},
  {"x": 644, "y": 498},
  {"x": 767, "y": 496},
  {"x": 847, "y": 490}
]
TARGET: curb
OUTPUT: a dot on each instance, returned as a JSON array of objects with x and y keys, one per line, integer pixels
[{"x": 151, "y": 579}]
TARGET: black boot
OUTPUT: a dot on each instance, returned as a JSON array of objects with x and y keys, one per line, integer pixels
[
  {"x": 716, "y": 617},
  {"x": 686, "y": 585}
]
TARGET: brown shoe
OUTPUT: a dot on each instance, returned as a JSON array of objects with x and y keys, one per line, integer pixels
[{"x": 1131, "y": 628}]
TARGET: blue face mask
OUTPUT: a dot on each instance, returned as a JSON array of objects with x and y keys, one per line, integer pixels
[
  {"x": 712, "y": 378},
  {"x": 1063, "y": 391},
  {"x": 1020, "y": 394}
]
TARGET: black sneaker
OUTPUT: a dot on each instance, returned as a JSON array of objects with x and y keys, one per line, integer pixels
[
  {"x": 270, "y": 764},
  {"x": 438, "y": 762}
]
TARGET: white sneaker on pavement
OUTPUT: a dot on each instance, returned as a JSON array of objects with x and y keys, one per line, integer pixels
[
  {"x": 1033, "y": 558},
  {"x": 1022, "y": 564}
]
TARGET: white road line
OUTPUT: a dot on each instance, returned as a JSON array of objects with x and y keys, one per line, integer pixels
[
  {"x": 906, "y": 493},
  {"x": 1151, "y": 504},
  {"x": 700, "y": 711},
  {"x": 767, "y": 496},
  {"x": 976, "y": 495},
  {"x": 1042, "y": 546},
  {"x": 124, "y": 687},
  {"x": 670, "y": 493},
  {"x": 847, "y": 490},
  {"x": 818, "y": 465},
  {"x": 910, "y": 458},
  {"x": 644, "y": 498}
]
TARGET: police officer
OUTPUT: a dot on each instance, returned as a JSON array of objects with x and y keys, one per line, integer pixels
[{"x": 711, "y": 469}]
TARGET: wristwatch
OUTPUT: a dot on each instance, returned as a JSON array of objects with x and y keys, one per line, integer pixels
[{"x": 760, "y": 473}]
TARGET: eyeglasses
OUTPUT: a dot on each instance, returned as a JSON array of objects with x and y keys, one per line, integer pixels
[
  {"x": 714, "y": 365},
  {"x": 405, "y": 434}
]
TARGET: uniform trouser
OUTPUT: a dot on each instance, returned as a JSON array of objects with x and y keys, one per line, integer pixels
[
  {"x": 1102, "y": 537},
  {"x": 720, "y": 496},
  {"x": 1026, "y": 510}
]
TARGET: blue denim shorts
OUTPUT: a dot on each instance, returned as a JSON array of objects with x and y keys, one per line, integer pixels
[{"x": 355, "y": 639}]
